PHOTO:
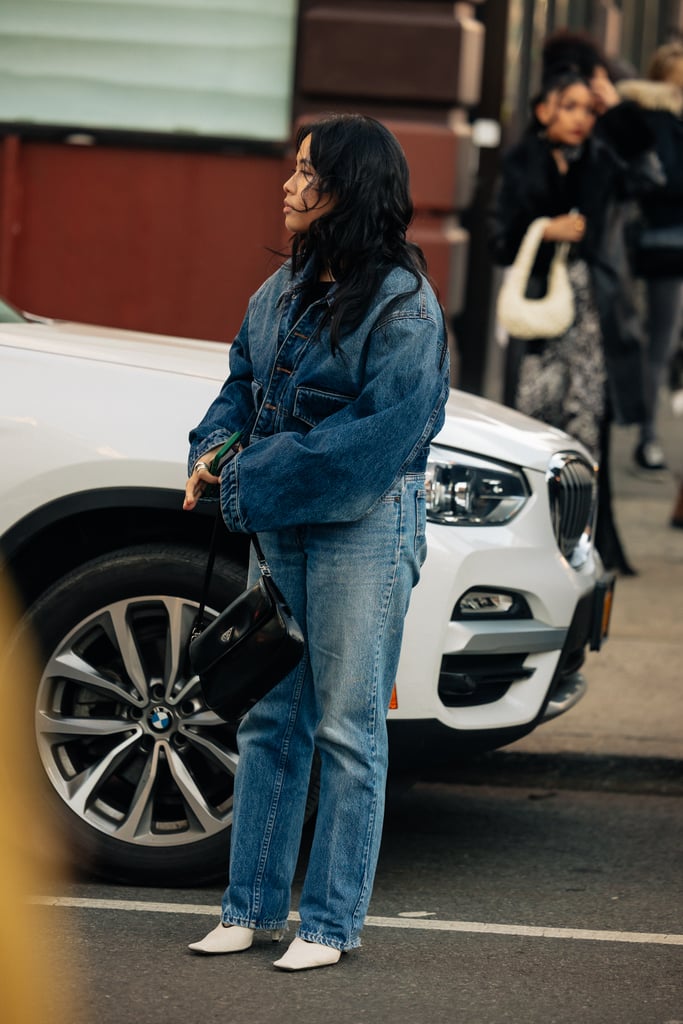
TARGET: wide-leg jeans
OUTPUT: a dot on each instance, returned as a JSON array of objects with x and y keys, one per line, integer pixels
[{"x": 349, "y": 586}]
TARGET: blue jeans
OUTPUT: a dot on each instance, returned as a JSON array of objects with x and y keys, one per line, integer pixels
[
  {"x": 348, "y": 585},
  {"x": 664, "y": 321}
]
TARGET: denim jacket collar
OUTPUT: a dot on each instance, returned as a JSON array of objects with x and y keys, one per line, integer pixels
[{"x": 299, "y": 281}]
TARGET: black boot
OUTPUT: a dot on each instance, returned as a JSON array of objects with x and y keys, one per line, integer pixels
[{"x": 606, "y": 536}]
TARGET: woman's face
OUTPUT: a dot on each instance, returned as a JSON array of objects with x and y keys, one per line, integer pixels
[
  {"x": 303, "y": 202},
  {"x": 569, "y": 115}
]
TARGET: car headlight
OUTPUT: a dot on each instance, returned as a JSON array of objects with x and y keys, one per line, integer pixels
[{"x": 464, "y": 490}]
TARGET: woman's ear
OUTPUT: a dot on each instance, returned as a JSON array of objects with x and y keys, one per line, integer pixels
[
  {"x": 543, "y": 112},
  {"x": 546, "y": 108}
]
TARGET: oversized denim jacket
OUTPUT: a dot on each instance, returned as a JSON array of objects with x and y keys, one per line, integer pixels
[{"x": 326, "y": 435}]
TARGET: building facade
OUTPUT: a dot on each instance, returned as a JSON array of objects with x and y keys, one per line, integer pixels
[{"x": 143, "y": 147}]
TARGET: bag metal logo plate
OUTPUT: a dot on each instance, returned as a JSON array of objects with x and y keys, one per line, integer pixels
[{"x": 225, "y": 637}]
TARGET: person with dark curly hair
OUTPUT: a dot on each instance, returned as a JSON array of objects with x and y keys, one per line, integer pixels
[
  {"x": 338, "y": 380},
  {"x": 583, "y": 152}
]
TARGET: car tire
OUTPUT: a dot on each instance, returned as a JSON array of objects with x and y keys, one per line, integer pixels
[{"x": 139, "y": 772}]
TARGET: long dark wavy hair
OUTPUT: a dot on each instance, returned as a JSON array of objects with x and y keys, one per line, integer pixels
[{"x": 360, "y": 163}]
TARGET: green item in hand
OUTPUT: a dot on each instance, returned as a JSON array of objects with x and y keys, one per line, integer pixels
[{"x": 223, "y": 453}]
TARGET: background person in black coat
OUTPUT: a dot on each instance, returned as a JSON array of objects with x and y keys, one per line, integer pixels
[
  {"x": 561, "y": 165},
  {"x": 658, "y": 255}
]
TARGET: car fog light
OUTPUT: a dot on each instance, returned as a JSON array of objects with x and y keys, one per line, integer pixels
[
  {"x": 480, "y": 603},
  {"x": 463, "y": 490}
]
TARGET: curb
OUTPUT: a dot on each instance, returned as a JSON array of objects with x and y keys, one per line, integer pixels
[{"x": 661, "y": 776}]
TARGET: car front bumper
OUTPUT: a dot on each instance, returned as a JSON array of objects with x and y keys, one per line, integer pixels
[{"x": 496, "y": 673}]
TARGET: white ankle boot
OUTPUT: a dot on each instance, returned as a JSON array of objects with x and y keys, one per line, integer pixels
[
  {"x": 231, "y": 938},
  {"x": 302, "y": 955}
]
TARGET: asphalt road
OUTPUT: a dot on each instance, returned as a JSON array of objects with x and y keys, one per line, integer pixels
[
  {"x": 493, "y": 904},
  {"x": 538, "y": 884}
]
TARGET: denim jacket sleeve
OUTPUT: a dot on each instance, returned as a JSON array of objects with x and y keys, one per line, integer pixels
[
  {"x": 341, "y": 467},
  {"x": 233, "y": 407}
]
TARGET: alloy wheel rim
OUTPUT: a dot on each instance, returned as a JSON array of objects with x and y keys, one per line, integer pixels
[{"x": 123, "y": 732}]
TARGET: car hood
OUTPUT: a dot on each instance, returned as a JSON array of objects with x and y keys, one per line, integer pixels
[
  {"x": 162, "y": 352},
  {"x": 473, "y": 424},
  {"x": 483, "y": 427}
]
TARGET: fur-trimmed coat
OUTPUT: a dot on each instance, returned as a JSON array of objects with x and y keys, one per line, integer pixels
[
  {"x": 661, "y": 103},
  {"x": 656, "y": 240}
]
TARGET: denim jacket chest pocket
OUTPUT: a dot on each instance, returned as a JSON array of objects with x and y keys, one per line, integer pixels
[{"x": 313, "y": 405}]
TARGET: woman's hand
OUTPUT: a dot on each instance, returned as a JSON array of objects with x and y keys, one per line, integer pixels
[
  {"x": 569, "y": 227},
  {"x": 605, "y": 96},
  {"x": 201, "y": 479}
]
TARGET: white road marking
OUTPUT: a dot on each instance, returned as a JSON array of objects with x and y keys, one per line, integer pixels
[
  {"x": 471, "y": 927},
  {"x": 416, "y": 913}
]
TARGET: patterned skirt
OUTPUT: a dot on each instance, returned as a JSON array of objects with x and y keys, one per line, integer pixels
[{"x": 564, "y": 383}]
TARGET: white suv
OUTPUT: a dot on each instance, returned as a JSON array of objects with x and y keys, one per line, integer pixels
[{"x": 93, "y": 428}]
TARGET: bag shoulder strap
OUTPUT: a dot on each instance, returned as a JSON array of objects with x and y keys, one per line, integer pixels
[
  {"x": 260, "y": 557},
  {"x": 526, "y": 254},
  {"x": 213, "y": 544}
]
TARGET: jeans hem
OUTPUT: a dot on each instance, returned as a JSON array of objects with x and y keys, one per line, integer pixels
[
  {"x": 324, "y": 940},
  {"x": 248, "y": 922}
]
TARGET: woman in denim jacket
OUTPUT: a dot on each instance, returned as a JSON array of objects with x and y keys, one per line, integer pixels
[{"x": 338, "y": 380}]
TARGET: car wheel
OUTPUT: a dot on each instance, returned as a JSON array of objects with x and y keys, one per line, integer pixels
[{"x": 139, "y": 770}]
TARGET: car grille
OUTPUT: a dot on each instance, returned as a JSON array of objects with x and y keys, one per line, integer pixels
[{"x": 572, "y": 491}]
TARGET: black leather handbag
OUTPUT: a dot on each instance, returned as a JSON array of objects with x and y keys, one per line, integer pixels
[{"x": 247, "y": 649}]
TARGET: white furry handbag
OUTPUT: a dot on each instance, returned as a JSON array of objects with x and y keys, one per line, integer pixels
[{"x": 549, "y": 316}]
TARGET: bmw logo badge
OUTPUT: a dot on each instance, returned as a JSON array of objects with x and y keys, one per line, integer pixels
[{"x": 160, "y": 719}]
